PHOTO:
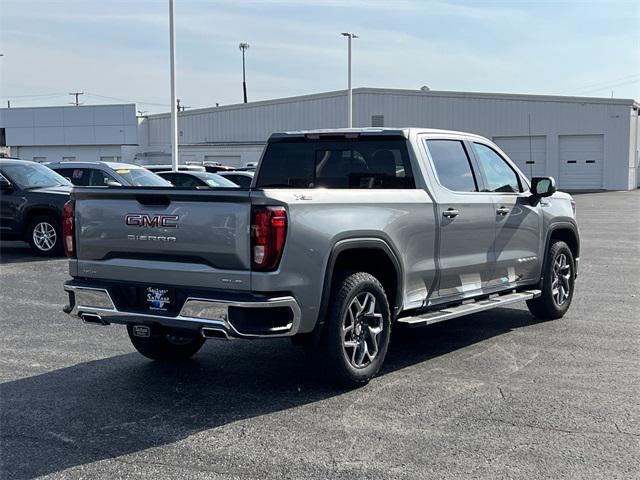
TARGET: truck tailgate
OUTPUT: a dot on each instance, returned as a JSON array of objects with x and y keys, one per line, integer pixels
[{"x": 197, "y": 238}]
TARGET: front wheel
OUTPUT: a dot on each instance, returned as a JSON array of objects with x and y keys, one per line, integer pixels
[
  {"x": 166, "y": 345},
  {"x": 356, "y": 333},
  {"x": 557, "y": 284}
]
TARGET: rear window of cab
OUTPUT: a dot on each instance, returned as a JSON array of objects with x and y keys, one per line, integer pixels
[{"x": 359, "y": 163}]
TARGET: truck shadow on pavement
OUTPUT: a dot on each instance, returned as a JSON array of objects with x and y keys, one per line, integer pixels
[{"x": 125, "y": 404}]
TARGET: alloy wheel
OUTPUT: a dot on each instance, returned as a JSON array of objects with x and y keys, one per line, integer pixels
[
  {"x": 44, "y": 236},
  {"x": 362, "y": 325},
  {"x": 561, "y": 285}
]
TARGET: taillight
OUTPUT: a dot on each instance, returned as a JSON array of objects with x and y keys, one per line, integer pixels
[
  {"x": 268, "y": 231},
  {"x": 67, "y": 229}
]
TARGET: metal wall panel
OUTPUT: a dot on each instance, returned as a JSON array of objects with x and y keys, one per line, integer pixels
[
  {"x": 531, "y": 157},
  {"x": 82, "y": 125}
]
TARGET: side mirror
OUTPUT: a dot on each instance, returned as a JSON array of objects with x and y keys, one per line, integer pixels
[
  {"x": 542, "y": 187},
  {"x": 112, "y": 183}
]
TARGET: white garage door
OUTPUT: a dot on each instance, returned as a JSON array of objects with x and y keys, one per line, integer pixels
[
  {"x": 531, "y": 159},
  {"x": 581, "y": 161}
]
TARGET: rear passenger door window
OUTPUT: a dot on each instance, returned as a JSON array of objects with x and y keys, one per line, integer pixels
[
  {"x": 65, "y": 172},
  {"x": 182, "y": 180},
  {"x": 169, "y": 177},
  {"x": 77, "y": 176},
  {"x": 452, "y": 165},
  {"x": 239, "y": 180},
  {"x": 498, "y": 174},
  {"x": 101, "y": 179}
]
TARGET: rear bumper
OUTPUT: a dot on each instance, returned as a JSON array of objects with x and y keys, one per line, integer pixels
[{"x": 259, "y": 317}]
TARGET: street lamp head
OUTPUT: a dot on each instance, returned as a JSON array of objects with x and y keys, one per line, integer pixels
[
  {"x": 243, "y": 46},
  {"x": 350, "y": 35}
]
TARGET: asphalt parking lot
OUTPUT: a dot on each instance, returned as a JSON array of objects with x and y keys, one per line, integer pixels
[{"x": 494, "y": 395}]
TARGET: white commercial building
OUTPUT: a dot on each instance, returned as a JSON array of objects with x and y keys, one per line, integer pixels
[
  {"x": 585, "y": 143},
  {"x": 70, "y": 133}
]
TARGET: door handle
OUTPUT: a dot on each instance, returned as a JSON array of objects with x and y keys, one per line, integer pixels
[
  {"x": 451, "y": 212},
  {"x": 503, "y": 211}
]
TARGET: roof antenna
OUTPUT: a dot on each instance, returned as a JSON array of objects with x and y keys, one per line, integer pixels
[{"x": 530, "y": 151}]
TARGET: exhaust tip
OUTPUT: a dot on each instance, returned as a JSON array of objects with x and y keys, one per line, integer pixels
[
  {"x": 208, "y": 332},
  {"x": 93, "y": 319}
]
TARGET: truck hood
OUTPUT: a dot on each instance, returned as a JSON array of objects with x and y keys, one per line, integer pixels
[
  {"x": 560, "y": 194},
  {"x": 58, "y": 189}
]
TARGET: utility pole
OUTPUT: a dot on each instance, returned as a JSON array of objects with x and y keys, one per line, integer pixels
[
  {"x": 244, "y": 47},
  {"x": 174, "y": 111},
  {"x": 76, "y": 94},
  {"x": 8, "y": 101},
  {"x": 350, "y": 36}
]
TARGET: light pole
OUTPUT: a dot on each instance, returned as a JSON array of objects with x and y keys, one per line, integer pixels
[
  {"x": 174, "y": 112},
  {"x": 350, "y": 36},
  {"x": 244, "y": 46}
]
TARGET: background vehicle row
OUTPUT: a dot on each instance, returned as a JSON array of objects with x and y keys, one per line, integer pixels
[{"x": 32, "y": 199}]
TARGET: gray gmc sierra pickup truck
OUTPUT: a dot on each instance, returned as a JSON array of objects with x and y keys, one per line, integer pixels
[{"x": 343, "y": 236}]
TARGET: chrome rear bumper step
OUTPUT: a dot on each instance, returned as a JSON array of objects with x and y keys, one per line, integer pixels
[
  {"x": 210, "y": 317},
  {"x": 448, "y": 313}
]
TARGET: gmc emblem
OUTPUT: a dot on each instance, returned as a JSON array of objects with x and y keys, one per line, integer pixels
[{"x": 151, "y": 221}]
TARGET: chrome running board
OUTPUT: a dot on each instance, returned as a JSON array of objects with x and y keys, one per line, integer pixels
[{"x": 435, "y": 316}]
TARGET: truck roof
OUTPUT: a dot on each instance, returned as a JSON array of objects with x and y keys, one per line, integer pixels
[
  {"x": 88, "y": 163},
  {"x": 384, "y": 131}
]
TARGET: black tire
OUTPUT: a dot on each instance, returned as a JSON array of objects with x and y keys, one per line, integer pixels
[
  {"x": 332, "y": 357},
  {"x": 165, "y": 345},
  {"x": 555, "y": 301},
  {"x": 39, "y": 244}
]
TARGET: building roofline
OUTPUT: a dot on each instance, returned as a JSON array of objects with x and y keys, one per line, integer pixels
[
  {"x": 419, "y": 93},
  {"x": 505, "y": 96},
  {"x": 260, "y": 103},
  {"x": 71, "y": 106}
]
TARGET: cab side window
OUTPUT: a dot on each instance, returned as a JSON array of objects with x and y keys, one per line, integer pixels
[
  {"x": 498, "y": 174},
  {"x": 77, "y": 176},
  {"x": 452, "y": 165},
  {"x": 101, "y": 179},
  {"x": 182, "y": 180},
  {"x": 169, "y": 177},
  {"x": 65, "y": 172}
]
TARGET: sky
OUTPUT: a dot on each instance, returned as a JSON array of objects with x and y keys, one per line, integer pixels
[{"x": 117, "y": 51}]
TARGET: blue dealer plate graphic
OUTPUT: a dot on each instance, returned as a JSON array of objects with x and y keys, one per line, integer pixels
[{"x": 158, "y": 299}]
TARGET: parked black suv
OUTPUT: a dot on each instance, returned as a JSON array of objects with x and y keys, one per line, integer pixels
[{"x": 32, "y": 198}]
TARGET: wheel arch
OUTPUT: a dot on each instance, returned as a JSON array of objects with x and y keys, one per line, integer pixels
[
  {"x": 36, "y": 211},
  {"x": 568, "y": 233},
  {"x": 381, "y": 261}
]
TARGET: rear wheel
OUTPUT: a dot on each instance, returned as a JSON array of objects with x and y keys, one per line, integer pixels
[
  {"x": 356, "y": 333},
  {"x": 44, "y": 234},
  {"x": 165, "y": 344},
  {"x": 557, "y": 285}
]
